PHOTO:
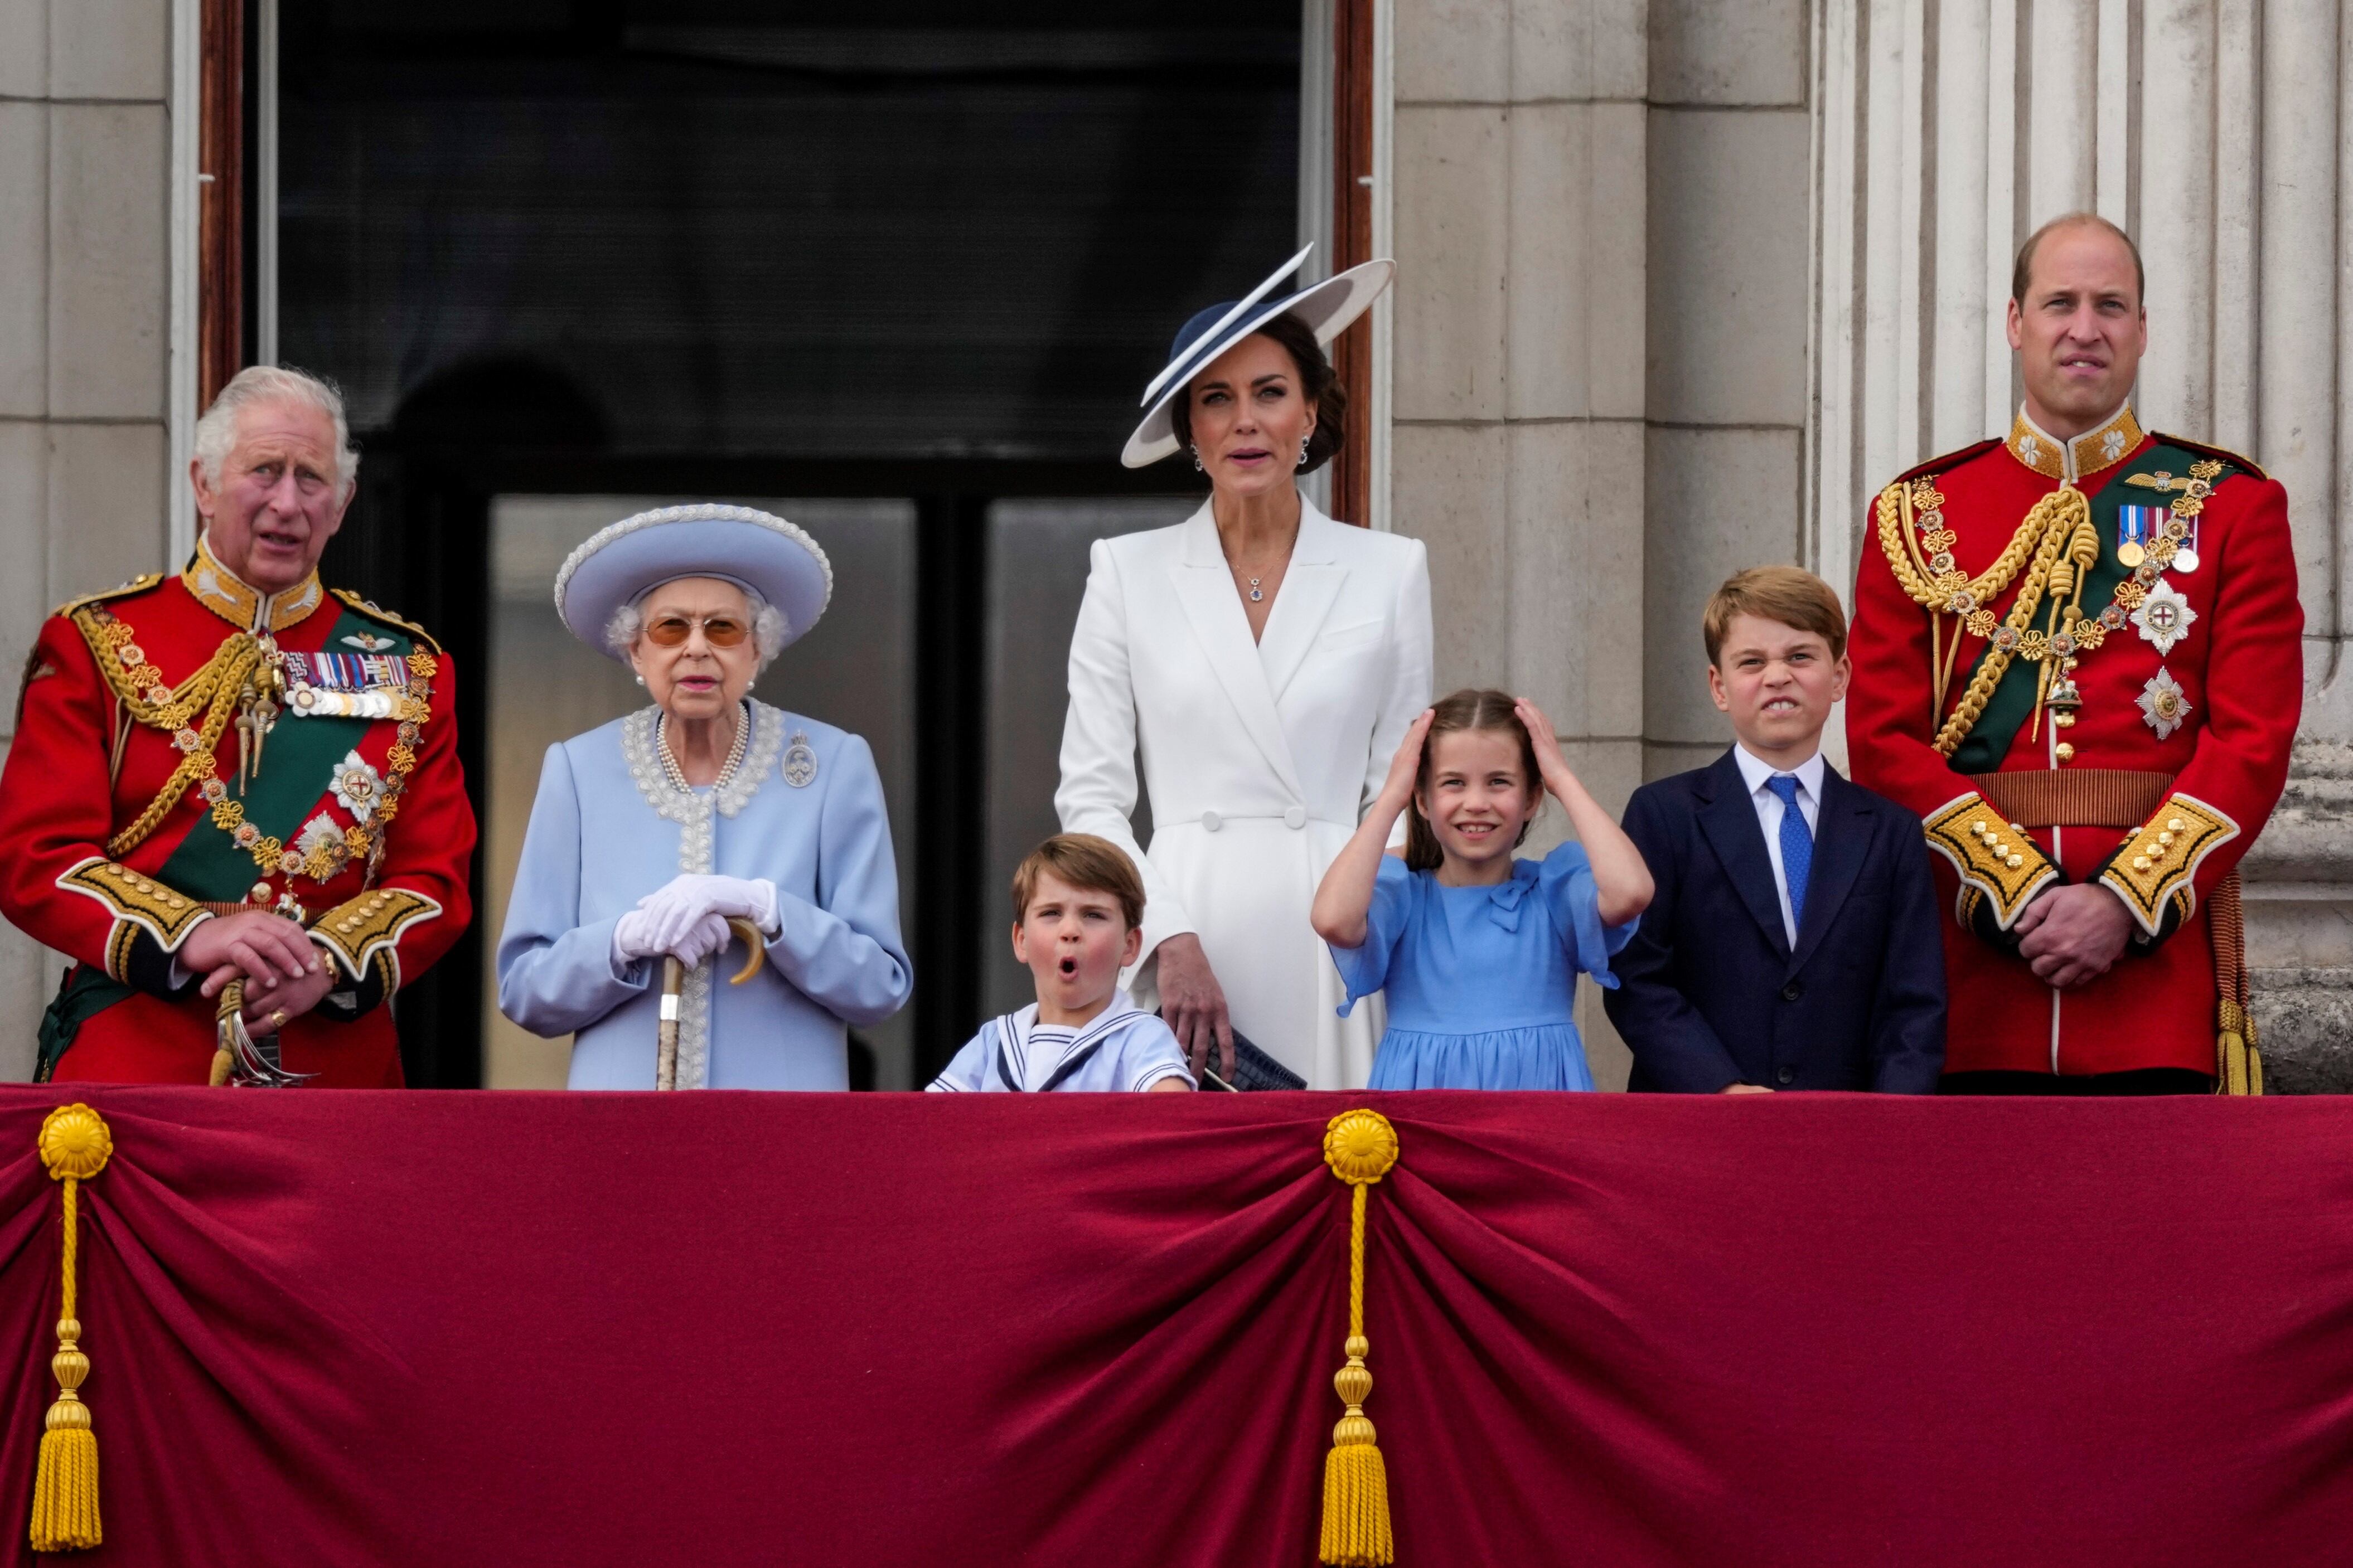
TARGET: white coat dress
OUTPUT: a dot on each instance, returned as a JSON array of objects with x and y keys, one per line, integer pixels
[{"x": 1259, "y": 758}]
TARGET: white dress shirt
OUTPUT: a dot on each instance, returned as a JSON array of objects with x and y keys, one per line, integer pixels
[{"x": 1754, "y": 771}]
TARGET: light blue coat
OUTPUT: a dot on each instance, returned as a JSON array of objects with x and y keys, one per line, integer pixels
[{"x": 802, "y": 810}]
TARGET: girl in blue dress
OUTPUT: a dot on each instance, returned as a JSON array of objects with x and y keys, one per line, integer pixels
[{"x": 1479, "y": 950}]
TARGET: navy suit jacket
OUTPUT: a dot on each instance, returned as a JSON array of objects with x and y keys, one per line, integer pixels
[{"x": 1709, "y": 992}]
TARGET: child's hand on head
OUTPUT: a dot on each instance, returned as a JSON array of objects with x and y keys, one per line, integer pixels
[
  {"x": 1404, "y": 768},
  {"x": 1551, "y": 766}
]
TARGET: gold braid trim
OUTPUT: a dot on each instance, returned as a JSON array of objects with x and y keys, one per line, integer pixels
[
  {"x": 2053, "y": 518},
  {"x": 2159, "y": 858},
  {"x": 136, "y": 900},
  {"x": 139, "y": 686},
  {"x": 357, "y": 930},
  {"x": 1995, "y": 859},
  {"x": 1937, "y": 593}
]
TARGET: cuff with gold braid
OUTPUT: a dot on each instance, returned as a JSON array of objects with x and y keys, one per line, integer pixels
[
  {"x": 151, "y": 921},
  {"x": 1999, "y": 865},
  {"x": 361, "y": 929},
  {"x": 2155, "y": 868}
]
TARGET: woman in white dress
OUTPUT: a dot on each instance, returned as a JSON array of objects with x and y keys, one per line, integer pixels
[{"x": 1268, "y": 660}]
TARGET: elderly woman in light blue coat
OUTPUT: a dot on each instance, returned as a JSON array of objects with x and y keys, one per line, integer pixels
[{"x": 650, "y": 834}]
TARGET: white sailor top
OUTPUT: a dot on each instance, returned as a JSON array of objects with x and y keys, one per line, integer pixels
[{"x": 1121, "y": 1049}]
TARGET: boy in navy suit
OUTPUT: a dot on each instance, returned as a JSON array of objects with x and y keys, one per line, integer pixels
[{"x": 1793, "y": 941}]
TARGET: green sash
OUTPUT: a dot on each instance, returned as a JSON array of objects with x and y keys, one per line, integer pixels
[
  {"x": 2012, "y": 703},
  {"x": 298, "y": 763}
]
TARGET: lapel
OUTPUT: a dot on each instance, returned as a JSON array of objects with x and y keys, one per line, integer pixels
[
  {"x": 1729, "y": 819},
  {"x": 1841, "y": 838},
  {"x": 1204, "y": 587},
  {"x": 1310, "y": 586}
]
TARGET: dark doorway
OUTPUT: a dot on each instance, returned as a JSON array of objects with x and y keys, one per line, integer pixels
[{"x": 751, "y": 249}]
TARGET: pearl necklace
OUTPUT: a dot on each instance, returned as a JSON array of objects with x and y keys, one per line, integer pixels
[{"x": 727, "y": 770}]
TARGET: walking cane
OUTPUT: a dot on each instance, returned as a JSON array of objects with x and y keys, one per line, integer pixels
[{"x": 674, "y": 982}]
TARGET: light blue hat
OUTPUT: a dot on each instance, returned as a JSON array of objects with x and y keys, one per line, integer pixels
[
  {"x": 621, "y": 563},
  {"x": 1328, "y": 309}
]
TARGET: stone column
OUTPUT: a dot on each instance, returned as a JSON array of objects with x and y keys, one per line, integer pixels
[
  {"x": 84, "y": 353},
  {"x": 1600, "y": 351},
  {"x": 2210, "y": 129}
]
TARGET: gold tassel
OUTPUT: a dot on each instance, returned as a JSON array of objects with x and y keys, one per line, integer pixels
[
  {"x": 75, "y": 1145},
  {"x": 1361, "y": 1147},
  {"x": 2238, "y": 1063}
]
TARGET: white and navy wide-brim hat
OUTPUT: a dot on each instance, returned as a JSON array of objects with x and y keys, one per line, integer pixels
[
  {"x": 753, "y": 549},
  {"x": 1327, "y": 308}
]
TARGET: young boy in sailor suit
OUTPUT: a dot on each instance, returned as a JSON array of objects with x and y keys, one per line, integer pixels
[{"x": 1078, "y": 910}]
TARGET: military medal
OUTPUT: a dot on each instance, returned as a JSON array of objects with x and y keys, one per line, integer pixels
[
  {"x": 2184, "y": 555},
  {"x": 346, "y": 685},
  {"x": 2135, "y": 526},
  {"x": 800, "y": 763}
]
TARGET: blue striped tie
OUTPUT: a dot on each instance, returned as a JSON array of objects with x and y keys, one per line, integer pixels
[{"x": 1796, "y": 844}]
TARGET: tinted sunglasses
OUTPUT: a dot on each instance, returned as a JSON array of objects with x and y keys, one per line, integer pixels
[{"x": 719, "y": 631}]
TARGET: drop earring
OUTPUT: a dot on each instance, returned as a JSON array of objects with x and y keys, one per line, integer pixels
[
  {"x": 1303, "y": 448},
  {"x": 1197, "y": 460}
]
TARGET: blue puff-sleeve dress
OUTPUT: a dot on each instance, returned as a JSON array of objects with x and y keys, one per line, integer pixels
[{"x": 1482, "y": 982}]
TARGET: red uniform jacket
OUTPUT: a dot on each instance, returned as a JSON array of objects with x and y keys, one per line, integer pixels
[
  {"x": 2154, "y": 787},
  {"x": 355, "y": 822}
]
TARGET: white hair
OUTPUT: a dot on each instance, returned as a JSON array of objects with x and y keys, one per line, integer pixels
[
  {"x": 769, "y": 627},
  {"x": 259, "y": 383}
]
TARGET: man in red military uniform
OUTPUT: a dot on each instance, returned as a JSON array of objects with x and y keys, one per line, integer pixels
[
  {"x": 235, "y": 778},
  {"x": 2077, "y": 656}
]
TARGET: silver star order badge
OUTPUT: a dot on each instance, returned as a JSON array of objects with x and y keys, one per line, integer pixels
[
  {"x": 2165, "y": 617},
  {"x": 2162, "y": 703}
]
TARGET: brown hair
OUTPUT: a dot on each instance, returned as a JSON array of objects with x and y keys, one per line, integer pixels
[
  {"x": 1317, "y": 382},
  {"x": 1788, "y": 595},
  {"x": 1464, "y": 709},
  {"x": 1086, "y": 862},
  {"x": 2021, "y": 271}
]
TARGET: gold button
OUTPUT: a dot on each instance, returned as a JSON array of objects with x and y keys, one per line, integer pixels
[
  {"x": 2017, "y": 862},
  {"x": 2140, "y": 862},
  {"x": 1977, "y": 829},
  {"x": 261, "y": 894},
  {"x": 176, "y": 902},
  {"x": 146, "y": 886},
  {"x": 2064, "y": 721},
  {"x": 2066, "y": 753},
  {"x": 2178, "y": 826},
  {"x": 2165, "y": 838},
  {"x": 347, "y": 925},
  {"x": 1999, "y": 847}
]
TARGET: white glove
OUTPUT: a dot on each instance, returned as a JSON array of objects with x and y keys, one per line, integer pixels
[
  {"x": 637, "y": 935},
  {"x": 686, "y": 899}
]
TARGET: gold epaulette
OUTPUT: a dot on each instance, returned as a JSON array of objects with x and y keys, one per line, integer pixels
[
  {"x": 356, "y": 930},
  {"x": 138, "y": 584},
  {"x": 370, "y": 607},
  {"x": 2208, "y": 449},
  {"x": 138, "y": 903},
  {"x": 2158, "y": 861},
  {"x": 1996, "y": 859}
]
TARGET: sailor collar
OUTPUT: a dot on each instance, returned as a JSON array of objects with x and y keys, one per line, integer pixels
[
  {"x": 2103, "y": 446},
  {"x": 220, "y": 590}
]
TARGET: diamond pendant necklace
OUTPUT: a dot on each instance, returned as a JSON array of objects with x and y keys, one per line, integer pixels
[{"x": 1255, "y": 594}]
